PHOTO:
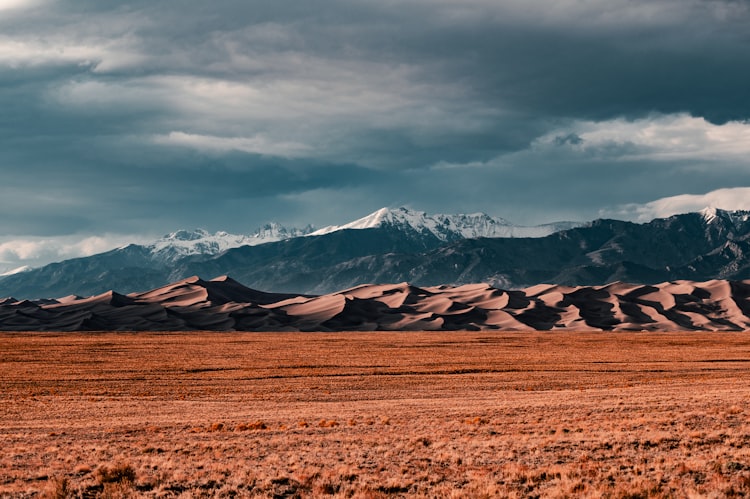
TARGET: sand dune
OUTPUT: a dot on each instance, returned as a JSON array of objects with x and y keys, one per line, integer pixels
[{"x": 223, "y": 304}]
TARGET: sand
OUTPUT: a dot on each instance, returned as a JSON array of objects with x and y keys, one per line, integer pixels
[{"x": 223, "y": 304}]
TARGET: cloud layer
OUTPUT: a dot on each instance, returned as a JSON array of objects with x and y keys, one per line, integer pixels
[
  {"x": 37, "y": 251},
  {"x": 143, "y": 117},
  {"x": 737, "y": 198}
]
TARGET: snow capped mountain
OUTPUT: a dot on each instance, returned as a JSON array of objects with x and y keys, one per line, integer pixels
[
  {"x": 712, "y": 214},
  {"x": 444, "y": 227},
  {"x": 275, "y": 232},
  {"x": 447, "y": 227},
  {"x": 201, "y": 242},
  {"x": 404, "y": 245}
]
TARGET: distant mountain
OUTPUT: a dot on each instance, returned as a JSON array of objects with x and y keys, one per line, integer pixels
[
  {"x": 183, "y": 243},
  {"x": 413, "y": 224},
  {"x": 447, "y": 227},
  {"x": 223, "y": 304},
  {"x": 405, "y": 246},
  {"x": 273, "y": 257},
  {"x": 713, "y": 244}
]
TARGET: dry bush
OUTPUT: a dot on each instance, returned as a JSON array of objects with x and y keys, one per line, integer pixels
[
  {"x": 257, "y": 425},
  {"x": 118, "y": 490},
  {"x": 115, "y": 473},
  {"x": 476, "y": 420},
  {"x": 57, "y": 488}
]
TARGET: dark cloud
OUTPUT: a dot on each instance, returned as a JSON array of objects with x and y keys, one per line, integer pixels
[
  {"x": 125, "y": 193},
  {"x": 140, "y": 117}
]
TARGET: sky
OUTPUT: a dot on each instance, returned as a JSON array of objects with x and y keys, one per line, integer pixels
[{"x": 122, "y": 121}]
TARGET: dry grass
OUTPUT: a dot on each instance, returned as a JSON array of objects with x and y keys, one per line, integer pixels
[{"x": 369, "y": 415}]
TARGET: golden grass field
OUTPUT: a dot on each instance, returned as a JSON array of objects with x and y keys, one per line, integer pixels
[{"x": 481, "y": 414}]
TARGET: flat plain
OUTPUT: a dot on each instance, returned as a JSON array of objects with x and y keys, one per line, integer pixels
[{"x": 434, "y": 414}]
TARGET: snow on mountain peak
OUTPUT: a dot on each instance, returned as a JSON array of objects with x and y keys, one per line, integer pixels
[
  {"x": 708, "y": 213},
  {"x": 187, "y": 235},
  {"x": 711, "y": 213},
  {"x": 446, "y": 227},
  {"x": 201, "y": 242},
  {"x": 375, "y": 219},
  {"x": 276, "y": 232},
  {"x": 379, "y": 218},
  {"x": 193, "y": 242}
]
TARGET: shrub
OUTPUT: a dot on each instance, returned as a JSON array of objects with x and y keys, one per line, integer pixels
[
  {"x": 117, "y": 473},
  {"x": 57, "y": 488}
]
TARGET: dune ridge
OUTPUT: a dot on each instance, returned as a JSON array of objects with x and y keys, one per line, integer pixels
[{"x": 223, "y": 304}]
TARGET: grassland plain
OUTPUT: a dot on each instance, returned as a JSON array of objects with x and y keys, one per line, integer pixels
[{"x": 480, "y": 414}]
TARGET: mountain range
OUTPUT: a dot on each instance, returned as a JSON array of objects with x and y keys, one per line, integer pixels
[
  {"x": 405, "y": 246},
  {"x": 176, "y": 255}
]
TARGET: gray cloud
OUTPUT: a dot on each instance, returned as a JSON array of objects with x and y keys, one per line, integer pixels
[{"x": 142, "y": 117}]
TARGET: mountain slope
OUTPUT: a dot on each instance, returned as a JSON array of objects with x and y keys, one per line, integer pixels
[
  {"x": 684, "y": 246},
  {"x": 697, "y": 246},
  {"x": 301, "y": 259},
  {"x": 137, "y": 267},
  {"x": 689, "y": 246}
]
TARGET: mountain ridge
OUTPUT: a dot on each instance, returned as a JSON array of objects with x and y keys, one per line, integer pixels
[
  {"x": 447, "y": 227},
  {"x": 199, "y": 241},
  {"x": 696, "y": 246},
  {"x": 444, "y": 227}
]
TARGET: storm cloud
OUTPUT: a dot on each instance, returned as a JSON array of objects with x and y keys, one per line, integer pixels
[{"x": 137, "y": 118}]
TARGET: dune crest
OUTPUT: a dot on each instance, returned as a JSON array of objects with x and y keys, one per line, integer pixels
[{"x": 223, "y": 304}]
